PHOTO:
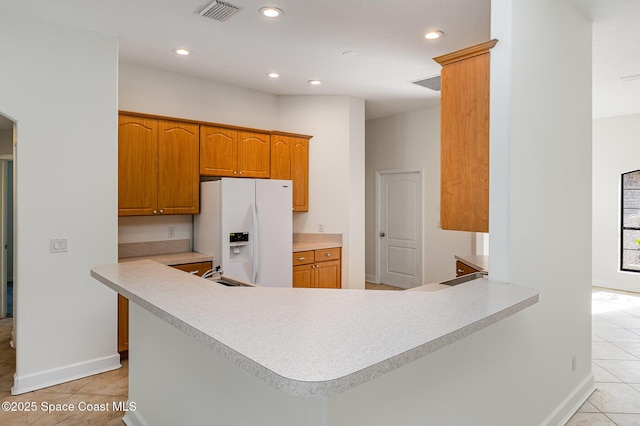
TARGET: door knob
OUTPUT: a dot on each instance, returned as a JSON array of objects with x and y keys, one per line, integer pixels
[{"x": 382, "y": 234}]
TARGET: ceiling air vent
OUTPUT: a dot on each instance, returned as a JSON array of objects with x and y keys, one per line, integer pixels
[
  {"x": 432, "y": 83},
  {"x": 217, "y": 10}
]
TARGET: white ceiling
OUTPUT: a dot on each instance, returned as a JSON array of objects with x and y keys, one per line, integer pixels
[{"x": 310, "y": 40}]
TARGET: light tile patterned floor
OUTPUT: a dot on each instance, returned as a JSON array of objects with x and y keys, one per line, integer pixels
[
  {"x": 99, "y": 391},
  {"x": 616, "y": 368},
  {"x": 616, "y": 361}
]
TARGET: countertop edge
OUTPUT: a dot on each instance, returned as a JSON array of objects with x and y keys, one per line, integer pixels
[
  {"x": 298, "y": 247},
  {"x": 337, "y": 385}
]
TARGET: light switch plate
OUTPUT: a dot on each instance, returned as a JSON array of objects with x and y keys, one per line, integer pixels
[{"x": 58, "y": 245}]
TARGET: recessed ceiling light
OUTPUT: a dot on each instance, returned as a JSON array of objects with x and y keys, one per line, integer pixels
[
  {"x": 271, "y": 12},
  {"x": 273, "y": 75},
  {"x": 315, "y": 82},
  {"x": 433, "y": 35},
  {"x": 182, "y": 52}
]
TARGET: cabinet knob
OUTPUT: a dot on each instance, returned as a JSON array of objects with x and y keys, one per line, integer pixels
[
  {"x": 235, "y": 173},
  {"x": 301, "y": 258},
  {"x": 161, "y": 211},
  {"x": 460, "y": 270},
  {"x": 155, "y": 212},
  {"x": 382, "y": 234},
  {"x": 328, "y": 254},
  {"x": 240, "y": 172}
]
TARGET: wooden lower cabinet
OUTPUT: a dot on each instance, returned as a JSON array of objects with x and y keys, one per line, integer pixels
[
  {"x": 123, "y": 325},
  {"x": 198, "y": 268},
  {"x": 317, "y": 268},
  {"x": 195, "y": 268},
  {"x": 464, "y": 269}
]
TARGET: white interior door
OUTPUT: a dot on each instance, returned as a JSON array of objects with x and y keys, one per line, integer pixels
[{"x": 400, "y": 228}]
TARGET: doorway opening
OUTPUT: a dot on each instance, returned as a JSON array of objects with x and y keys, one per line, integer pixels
[{"x": 7, "y": 137}]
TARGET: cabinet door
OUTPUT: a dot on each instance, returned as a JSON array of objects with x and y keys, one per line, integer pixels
[
  {"x": 302, "y": 276},
  {"x": 198, "y": 268},
  {"x": 254, "y": 154},
  {"x": 464, "y": 269},
  {"x": 327, "y": 274},
  {"x": 464, "y": 187},
  {"x": 123, "y": 324},
  {"x": 280, "y": 157},
  {"x": 137, "y": 166},
  {"x": 178, "y": 178},
  {"x": 218, "y": 151},
  {"x": 300, "y": 174}
]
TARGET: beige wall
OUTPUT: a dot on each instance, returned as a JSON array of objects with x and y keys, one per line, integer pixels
[
  {"x": 6, "y": 141},
  {"x": 412, "y": 141}
]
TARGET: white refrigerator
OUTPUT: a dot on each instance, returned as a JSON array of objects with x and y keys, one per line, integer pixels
[{"x": 246, "y": 225}]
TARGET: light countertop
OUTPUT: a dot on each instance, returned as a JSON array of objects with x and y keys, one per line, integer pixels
[
  {"x": 314, "y": 246},
  {"x": 314, "y": 342}
]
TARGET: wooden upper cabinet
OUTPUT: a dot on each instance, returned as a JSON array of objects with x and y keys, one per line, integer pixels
[
  {"x": 178, "y": 175},
  {"x": 290, "y": 160},
  {"x": 233, "y": 153},
  {"x": 157, "y": 167},
  {"x": 280, "y": 157},
  {"x": 137, "y": 166},
  {"x": 464, "y": 190},
  {"x": 300, "y": 174},
  {"x": 218, "y": 151},
  {"x": 254, "y": 157}
]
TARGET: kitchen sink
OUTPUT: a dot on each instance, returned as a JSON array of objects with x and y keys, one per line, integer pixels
[{"x": 229, "y": 282}]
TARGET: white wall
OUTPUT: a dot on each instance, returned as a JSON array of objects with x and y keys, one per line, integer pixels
[
  {"x": 616, "y": 150},
  {"x": 540, "y": 201},
  {"x": 59, "y": 85},
  {"x": 153, "y": 91},
  {"x": 412, "y": 141},
  {"x": 336, "y": 167}
]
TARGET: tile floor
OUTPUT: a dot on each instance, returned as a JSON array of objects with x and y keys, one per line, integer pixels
[
  {"x": 102, "y": 390},
  {"x": 616, "y": 361},
  {"x": 616, "y": 368}
]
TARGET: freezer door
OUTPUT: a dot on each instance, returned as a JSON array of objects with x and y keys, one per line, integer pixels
[
  {"x": 275, "y": 219},
  {"x": 238, "y": 197}
]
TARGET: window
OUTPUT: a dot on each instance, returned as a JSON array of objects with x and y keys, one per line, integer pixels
[{"x": 630, "y": 238}]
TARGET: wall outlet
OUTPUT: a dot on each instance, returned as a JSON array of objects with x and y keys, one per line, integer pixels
[
  {"x": 574, "y": 363},
  {"x": 321, "y": 227},
  {"x": 172, "y": 232},
  {"x": 58, "y": 245}
]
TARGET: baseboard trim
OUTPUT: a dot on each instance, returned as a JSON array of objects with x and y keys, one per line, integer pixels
[
  {"x": 44, "y": 379},
  {"x": 370, "y": 278},
  {"x": 134, "y": 418},
  {"x": 571, "y": 403}
]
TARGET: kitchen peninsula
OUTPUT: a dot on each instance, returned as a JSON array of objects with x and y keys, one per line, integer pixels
[{"x": 202, "y": 352}]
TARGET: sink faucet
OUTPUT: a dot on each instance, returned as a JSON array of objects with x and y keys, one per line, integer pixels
[{"x": 213, "y": 272}]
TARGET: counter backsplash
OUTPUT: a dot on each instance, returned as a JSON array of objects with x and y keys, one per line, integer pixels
[
  {"x": 317, "y": 238},
  {"x": 151, "y": 248}
]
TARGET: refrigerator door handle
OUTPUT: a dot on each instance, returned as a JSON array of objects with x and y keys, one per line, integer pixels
[{"x": 255, "y": 247}]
